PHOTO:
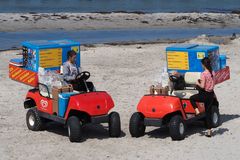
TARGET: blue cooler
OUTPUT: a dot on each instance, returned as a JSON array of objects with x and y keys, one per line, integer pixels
[
  {"x": 187, "y": 57},
  {"x": 222, "y": 61},
  {"x": 63, "y": 102}
]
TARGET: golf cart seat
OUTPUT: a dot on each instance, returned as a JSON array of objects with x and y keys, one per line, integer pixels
[{"x": 190, "y": 79}]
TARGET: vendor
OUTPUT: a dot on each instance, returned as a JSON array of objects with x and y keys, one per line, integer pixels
[
  {"x": 206, "y": 89},
  {"x": 70, "y": 69},
  {"x": 70, "y": 72}
]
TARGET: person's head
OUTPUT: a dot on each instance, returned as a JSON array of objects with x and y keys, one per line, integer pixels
[
  {"x": 71, "y": 56},
  {"x": 206, "y": 63}
]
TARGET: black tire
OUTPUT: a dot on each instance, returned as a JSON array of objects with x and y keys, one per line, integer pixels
[
  {"x": 114, "y": 124},
  {"x": 177, "y": 128},
  {"x": 136, "y": 125},
  {"x": 212, "y": 119},
  {"x": 74, "y": 127},
  {"x": 33, "y": 120}
]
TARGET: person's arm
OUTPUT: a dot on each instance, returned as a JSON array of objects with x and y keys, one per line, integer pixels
[
  {"x": 67, "y": 72},
  {"x": 201, "y": 83}
]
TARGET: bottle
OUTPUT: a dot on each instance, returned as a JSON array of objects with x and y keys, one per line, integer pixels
[
  {"x": 61, "y": 69},
  {"x": 165, "y": 77}
]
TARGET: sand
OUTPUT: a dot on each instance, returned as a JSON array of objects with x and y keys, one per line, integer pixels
[
  {"x": 126, "y": 72},
  {"x": 77, "y": 21}
]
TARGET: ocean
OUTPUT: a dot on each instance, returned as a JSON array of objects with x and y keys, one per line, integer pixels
[
  {"x": 10, "y": 40},
  {"x": 146, "y": 6},
  {"x": 13, "y": 39}
]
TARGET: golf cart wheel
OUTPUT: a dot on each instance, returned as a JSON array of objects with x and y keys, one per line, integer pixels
[
  {"x": 74, "y": 127},
  {"x": 33, "y": 120},
  {"x": 136, "y": 126},
  {"x": 114, "y": 125},
  {"x": 177, "y": 128},
  {"x": 212, "y": 119}
]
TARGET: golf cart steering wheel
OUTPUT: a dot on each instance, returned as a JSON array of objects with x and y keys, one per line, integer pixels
[
  {"x": 173, "y": 78},
  {"x": 83, "y": 76}
]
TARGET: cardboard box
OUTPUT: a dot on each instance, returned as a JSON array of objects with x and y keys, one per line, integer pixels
[
  {"x": 165, "y": 91},
  {"x": 159, "y": 90},
  {"x": 151, "y": 90},
  {"x": 55, "y": 106},
  {"x": 57, "y": 90}
]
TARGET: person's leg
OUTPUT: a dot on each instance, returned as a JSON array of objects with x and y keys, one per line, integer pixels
[
  {"x": 196, "y": 98},
  {"x": 193, "y": 100},
  {"x": 90, "y": 86},
  {"x": 79, "y": 86},
  {"x": 208, "y": 101},
  {"x": 74, "y": 85}
]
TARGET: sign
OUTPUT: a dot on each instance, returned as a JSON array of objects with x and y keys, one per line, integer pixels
[
  {"x": 200, "y": 55},
  {"x": 50, "y": 58},
  {"x": 177, "y": 60},
  {"x": 75, "y": 48}
]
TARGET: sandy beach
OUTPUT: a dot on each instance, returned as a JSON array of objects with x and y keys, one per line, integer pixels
[
  {"x": 126, "y": 72},
  {"x": 79, "y": 21}
]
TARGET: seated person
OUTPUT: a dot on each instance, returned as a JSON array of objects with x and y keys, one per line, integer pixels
[{"x": 70, "y": 72}]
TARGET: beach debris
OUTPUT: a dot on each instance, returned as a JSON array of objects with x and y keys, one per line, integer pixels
[
  {"x": 139, "y": 47},
  {"x": 233, "y": 36},
  {"x": 146, "y": 22}
]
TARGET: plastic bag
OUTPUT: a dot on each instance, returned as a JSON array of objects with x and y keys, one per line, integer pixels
[
  {"x": 165, "y": 77},
  {"x": 50, "y": 79}
]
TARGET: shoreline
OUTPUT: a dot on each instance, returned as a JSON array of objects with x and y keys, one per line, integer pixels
[
  {"x": 12, "y": 22},
  {"x": 220, "y": 40}
]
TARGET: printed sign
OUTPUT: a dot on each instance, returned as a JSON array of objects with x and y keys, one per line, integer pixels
[
  {"x": 75, "y": 48},
  {"x": 200, "y": 55},
  {"x": 177, "y": 60},
  {"x": 50, "y": 58}
]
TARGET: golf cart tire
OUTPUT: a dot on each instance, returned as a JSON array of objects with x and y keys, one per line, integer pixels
[
  {"x": 176, "y": 122},
  {"x": 114, "y": 125},
  {"x": 33, "y": 120},
  {"x": 74, "y": 129},
  {"x": 136, "y": 126}
]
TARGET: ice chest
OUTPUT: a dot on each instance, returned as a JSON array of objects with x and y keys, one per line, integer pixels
[
  {"x": 63, "y": 102},
  {"x": 222, "y": 61},
  {"x": 187, "y": 57},
  {"x": 47, "y": 54}
]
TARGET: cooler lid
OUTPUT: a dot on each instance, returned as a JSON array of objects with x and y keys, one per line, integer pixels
[
  {"x": 181, "y": 46},
  {"x": 49, "y": 43},
  {"x": 66, "y": 94}
]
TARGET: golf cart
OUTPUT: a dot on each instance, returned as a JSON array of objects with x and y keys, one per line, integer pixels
[
  {"x": 60, "y": 103},
  {"x": 173, "y": 109}
]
